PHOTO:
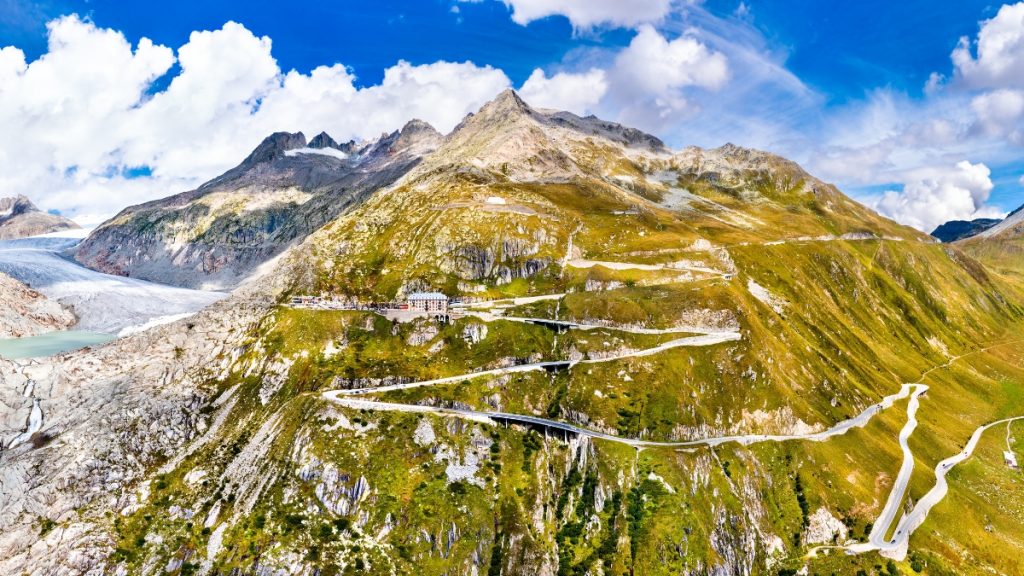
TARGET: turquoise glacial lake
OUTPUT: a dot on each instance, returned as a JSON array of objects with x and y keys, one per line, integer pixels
[{"x": 50, "y": 343}]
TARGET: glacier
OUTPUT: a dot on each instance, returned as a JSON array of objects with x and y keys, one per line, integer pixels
[{"x": 102, "y": 302}]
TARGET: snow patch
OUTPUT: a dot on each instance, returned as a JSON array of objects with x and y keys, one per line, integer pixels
[
  {"x": 152, "y": 323},
  {"x": 319, "y": 151}
]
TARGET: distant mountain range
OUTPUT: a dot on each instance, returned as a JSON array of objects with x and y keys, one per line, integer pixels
[
  {"x": 19, "y": 218},
  {"x": 1001, "y": 246}
]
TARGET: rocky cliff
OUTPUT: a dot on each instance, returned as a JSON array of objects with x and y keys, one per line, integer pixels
[
  {"x": 25, "y": 312},
  {"x": 20, "y": 218}
]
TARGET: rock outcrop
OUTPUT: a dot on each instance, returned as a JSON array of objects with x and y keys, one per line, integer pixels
[{"x": 25, "y": 312}]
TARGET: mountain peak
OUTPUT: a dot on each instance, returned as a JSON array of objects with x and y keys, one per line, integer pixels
[
  {"x": 417, "y": 126},
  {"x": 506, "y": 109},
  {"x": 959, "y": 229},
  {"x": 14, "y": 205},
  {"x": 276, "y": 145},
  {"x": 506, "y": 103},
  {"x": 323, "y": 140}
]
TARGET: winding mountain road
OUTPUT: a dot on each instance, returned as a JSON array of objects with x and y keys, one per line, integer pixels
[
  {"x": 701, "y": 340},
  {"x": 896, "y": 547},
  {"x": 343, "y": 398}
]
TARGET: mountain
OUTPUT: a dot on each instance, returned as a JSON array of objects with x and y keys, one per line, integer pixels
[
  {"x": 25, "y": 312},
  {"x": 662, "y": 362},
  {"x": 515, "y": 193},
  {"x": 1010, "y": 227},
  {"x": 19, "y": 218},
  {"x": 215, "y": 236},
  {"x": 1000, "y": 247},
  {"x": 959, "y": 229}
]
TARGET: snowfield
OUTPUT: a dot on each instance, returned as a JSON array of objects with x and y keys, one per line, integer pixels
[{"x": 102, "y": 302}]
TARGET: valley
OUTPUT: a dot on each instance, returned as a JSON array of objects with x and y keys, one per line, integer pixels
[{"x": 641, "y": 361}]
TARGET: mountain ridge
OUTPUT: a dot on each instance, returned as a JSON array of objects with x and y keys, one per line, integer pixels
[
  {"x": 211, "y": 237},
  {"x": 215, "y": 236},
  {"x": 960, "y": 229}
]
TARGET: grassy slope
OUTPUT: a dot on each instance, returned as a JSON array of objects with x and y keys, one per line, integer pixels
[{"x": 860, "y": 318}]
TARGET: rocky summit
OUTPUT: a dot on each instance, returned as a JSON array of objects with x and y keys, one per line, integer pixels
[
  {"x": 19, "y": 218},
  {"x": 542, "y": 344}
]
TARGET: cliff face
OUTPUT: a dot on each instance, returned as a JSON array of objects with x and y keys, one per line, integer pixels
[
  {"x": 19, "y": 218},
  {"x": 25, "y": 312},
  {"x": 215, "y": 236}
]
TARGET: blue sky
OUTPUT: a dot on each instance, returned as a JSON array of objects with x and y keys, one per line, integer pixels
[
  {"x": 837, "y": 86},
  {"x": 841, "y": 48}
]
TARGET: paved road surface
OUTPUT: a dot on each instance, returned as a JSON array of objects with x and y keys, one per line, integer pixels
[
  {"x": 701, "y": 340},
  {"x": 340, "y": 397}
]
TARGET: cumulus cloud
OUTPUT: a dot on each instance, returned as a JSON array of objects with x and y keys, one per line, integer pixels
[
  {"x": 577, "y": 93},
  {"x": 589, "y": 13},
  {"x": 999, "y": 113},
  {"x": 653, "y": 79},
  {"x": 652, "y": 64},
  {"x": 976, "y": 112},
  {"x": 79, "y": 119},
  {"x": 933, "y": 196},
  {"x": 1000, "y": 51}
]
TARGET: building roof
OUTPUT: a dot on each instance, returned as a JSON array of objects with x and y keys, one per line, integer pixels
[{"x": 427, "y": 296}]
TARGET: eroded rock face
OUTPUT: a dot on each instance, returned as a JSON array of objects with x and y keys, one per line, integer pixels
[
  {"x": 104, "y": 416},
  {"x": 825, "y": 528},
  {"x": 19, "y": 218},
  {"x": 25, "y": 312}
]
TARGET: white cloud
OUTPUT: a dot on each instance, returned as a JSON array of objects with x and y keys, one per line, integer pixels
[
  {"x": 654, "y": 81},
  {"x": 589, "y": 13},
  {"x": 653, "y": 65},
  {"x": 76, "y": 118},
  {"x": 1000, "y": 51},
  {"x": 1000, "y": 112},
  {"x": 932, "y": 196},
  {"x": 977, "y": 113},
  {"x": 577, "y": 93}
]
